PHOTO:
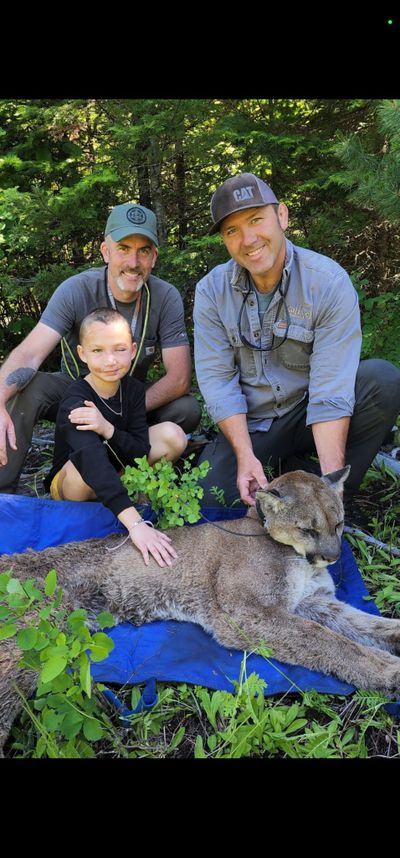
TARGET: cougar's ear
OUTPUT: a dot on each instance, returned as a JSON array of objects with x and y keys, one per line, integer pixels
[
  {"x": 336, "y": 479},
  {"x": 269, "y": 500}
]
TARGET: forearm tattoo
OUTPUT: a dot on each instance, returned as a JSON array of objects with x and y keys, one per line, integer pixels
[{"x": 21, "y": 377}]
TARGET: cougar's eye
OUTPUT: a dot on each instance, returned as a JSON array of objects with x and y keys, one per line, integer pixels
[
  {"x": 339, "y": 527},
  {"x": 308, "y": 531}
]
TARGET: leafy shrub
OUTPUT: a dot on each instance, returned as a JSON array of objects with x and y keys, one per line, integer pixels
[
  {"x": 380, "y": 314},
  {"x": 65, "y": 713},
  {"x": 174, "y": 497}
]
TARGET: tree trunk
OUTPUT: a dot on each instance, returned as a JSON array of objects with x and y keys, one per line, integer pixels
[
  {"x": 156, "y": 189},
  {"x": 143, "y": 174},
  {"x": 180, "y": 191}
]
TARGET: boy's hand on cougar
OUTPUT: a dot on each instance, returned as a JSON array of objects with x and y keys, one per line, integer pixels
[{"x": 148, "y": 540}]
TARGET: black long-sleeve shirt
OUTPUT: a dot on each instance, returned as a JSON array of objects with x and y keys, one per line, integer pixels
[{"x": 95, "y": 461}]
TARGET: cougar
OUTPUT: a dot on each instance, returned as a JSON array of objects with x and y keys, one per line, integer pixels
[{"x": 273, "y": 591}]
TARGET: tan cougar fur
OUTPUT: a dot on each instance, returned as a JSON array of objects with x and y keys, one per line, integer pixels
[{"x": 274, "y": 590}]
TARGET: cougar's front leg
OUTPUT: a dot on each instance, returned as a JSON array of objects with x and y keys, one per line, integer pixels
[
  {"x": 300, "y": 641},
  {"x": 367, "y": 629}
]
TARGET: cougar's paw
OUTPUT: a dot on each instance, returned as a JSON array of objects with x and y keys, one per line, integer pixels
[
  {"x": 390, "y": 681},
  {"x": 395, "y": 645},
  {"x": 392, "y": 637}
]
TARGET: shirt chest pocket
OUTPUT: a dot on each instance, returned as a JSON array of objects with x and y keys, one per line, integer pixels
[
  {"x": 295, "y": 351},
  {"x": 147, "y": 357},
  {"x": 244, "y": 356}
]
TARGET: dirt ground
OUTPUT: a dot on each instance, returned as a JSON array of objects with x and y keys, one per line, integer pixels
[{"x": 38, "y": 461}]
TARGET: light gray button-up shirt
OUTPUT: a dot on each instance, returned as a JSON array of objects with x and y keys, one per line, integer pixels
[{"x": 320, "y": 356}]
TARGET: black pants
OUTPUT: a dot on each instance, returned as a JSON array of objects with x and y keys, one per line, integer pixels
[
  {"x": 185, "y": 411},
  {"x": 377, "y": 406},
  {"x": 40, "y": 401}
]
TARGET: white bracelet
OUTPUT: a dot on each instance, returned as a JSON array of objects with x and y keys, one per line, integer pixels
[{"x": 140, "y": 521}]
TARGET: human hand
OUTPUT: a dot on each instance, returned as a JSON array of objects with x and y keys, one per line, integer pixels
[
  {"x": 89, "y": 417},
  {"x": 7, "y": 433},
  {"x": 250, "y": 478},
  {"x": 158, "y": 544}
]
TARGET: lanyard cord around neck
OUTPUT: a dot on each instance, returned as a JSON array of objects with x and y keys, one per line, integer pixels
[
  {"x": 65, "y": 345},
  {"x": 134, "y": 320},
  {"x": 144, "y": 331},
  {"x": 282, "y": 300}
]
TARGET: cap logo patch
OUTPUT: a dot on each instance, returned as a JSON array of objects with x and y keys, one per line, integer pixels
[
  {"x": 136, "y": 215},
  {"x": 241, "y": 194}
]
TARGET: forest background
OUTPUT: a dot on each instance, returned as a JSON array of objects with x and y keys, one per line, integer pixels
[
  {"x": 65, "y": 163},
  {"x": 336, "y": 163}
]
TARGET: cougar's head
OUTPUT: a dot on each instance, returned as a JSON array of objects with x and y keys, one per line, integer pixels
[{"x": 306, "y": 512}]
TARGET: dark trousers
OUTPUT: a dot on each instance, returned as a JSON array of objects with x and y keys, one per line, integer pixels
[
  {"x": 40, "y": 401},
  {"x": 185, "y": 411},
  {"x": 377, "y": 406}
]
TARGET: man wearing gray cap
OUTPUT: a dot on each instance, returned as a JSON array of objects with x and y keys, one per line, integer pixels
[
  {"x": 277, "y": 349},
  {"x": 154, "y": 310}
]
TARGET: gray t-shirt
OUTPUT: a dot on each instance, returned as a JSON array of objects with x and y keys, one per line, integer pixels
[
  {"x": 79, "y": 295},
  {"x": 264, "y": 299}
]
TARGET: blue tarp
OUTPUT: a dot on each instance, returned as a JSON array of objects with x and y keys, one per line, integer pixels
[{"x": 168, "y": 650}]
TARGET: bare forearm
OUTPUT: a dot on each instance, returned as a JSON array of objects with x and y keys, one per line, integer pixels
[
  {"x": 23, "y": 363},
  {"x": 330, "y": 441},
  {"x": 236, "y": 432},
  {"x": 250, "y": 474},
  {"x": 17, "y": 371},
  {"x": 176, "y": 380},
  {"x": 129, "y": 516},
  {"x": 165, "y": 390}
]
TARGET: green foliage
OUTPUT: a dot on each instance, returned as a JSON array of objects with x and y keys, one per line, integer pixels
[
  {"x": 380, "y": 322},
  {"x": 372, "y": 163},
  {"x": 219, "y": 495},
  {"x": 249, "y": 724},
  {"x": 65, "y": 713},
  {"x": 380, "y": 569},
  {"x": 187, "y": 265},
  {"x": 64, "y": 163},
  {"x": 175, "y": 497},
  {"x": 46, "y": 281}
]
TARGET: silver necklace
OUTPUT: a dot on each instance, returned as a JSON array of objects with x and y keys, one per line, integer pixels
[{"x": 104, "y": 401}]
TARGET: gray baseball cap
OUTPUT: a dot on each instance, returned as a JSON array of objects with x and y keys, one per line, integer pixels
[
  {"x": 130, "y": 219},
  {"x": 240, "y": 192}
]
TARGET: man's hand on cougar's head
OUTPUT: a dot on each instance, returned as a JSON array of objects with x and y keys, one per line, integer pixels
[
  {"x": 250, "y": 478},
  {"x": 7, "y": 432}
]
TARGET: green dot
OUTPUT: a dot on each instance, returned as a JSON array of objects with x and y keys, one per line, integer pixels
[{"x": 390, "y": 21}]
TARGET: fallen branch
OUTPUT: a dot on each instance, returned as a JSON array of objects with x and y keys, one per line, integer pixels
[{"x": 354, "y": 531}]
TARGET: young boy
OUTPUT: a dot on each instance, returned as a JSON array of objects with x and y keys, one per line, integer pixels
[{"x": 101, "y": 427}]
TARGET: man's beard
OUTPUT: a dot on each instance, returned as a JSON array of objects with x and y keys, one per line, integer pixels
[{"x": 121, "y": 285}]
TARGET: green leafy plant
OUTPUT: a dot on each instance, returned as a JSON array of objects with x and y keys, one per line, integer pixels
[
  {"x": 174, "y": 496},
  {"x": 219, "y": 495},
  {"x": 65, "y": 711},
  {"x": 379, "y": 567},
  {"x": 380, "y": 320},
  {"x": 249, "y": 724}
]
